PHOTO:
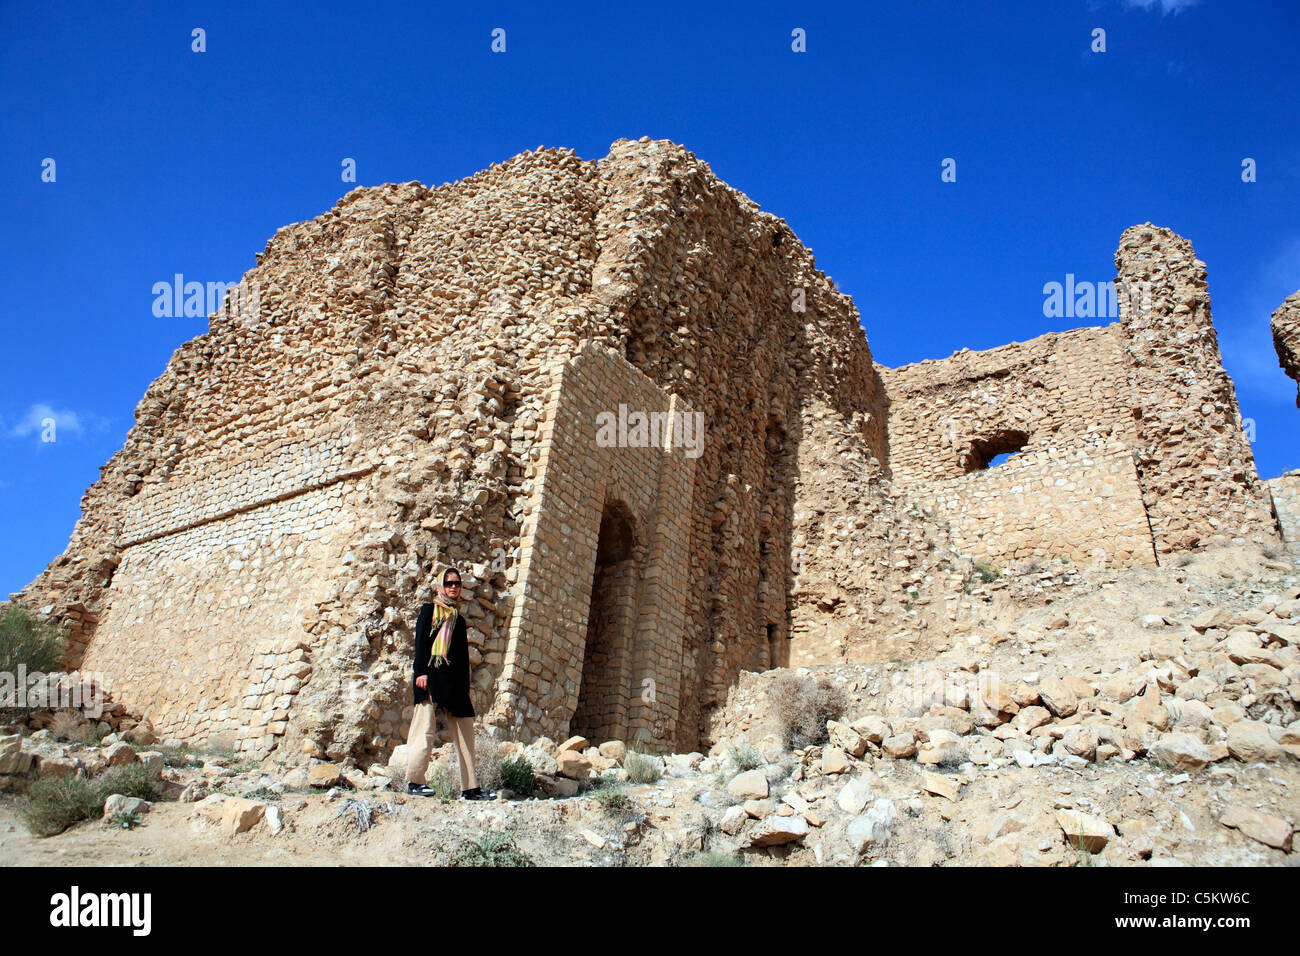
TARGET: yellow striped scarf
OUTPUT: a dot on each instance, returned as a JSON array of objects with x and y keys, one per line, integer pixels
[{"x": 444, "y": 621}]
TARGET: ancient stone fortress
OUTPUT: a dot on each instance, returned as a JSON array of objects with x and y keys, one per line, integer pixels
[{"x": 623, "y": 400}]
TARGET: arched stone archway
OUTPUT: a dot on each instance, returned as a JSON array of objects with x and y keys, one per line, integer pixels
[
  {"x": 605, "y": 695},
  {"x": 596, "y": 632}
]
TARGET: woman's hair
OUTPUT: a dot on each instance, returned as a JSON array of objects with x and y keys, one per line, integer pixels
[{"x": 447, "y": 571}]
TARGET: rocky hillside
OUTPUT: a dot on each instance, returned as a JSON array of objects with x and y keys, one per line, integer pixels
[{"x": 1141, "y": 717}]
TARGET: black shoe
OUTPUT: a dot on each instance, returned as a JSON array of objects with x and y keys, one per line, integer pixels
[
  {"x": 420, "y": 790},
  {"x": 478, "y": 793}
]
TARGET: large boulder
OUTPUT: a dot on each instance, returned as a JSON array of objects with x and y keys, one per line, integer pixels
[
  {"x": 776, "y": 830},
  {"x": 750, "y": 785},
  {"x": 239, "y": 815},
  {"x": 846, "y": 738},
  {"x": 1148, "y": 709},
  {"x": 1181, "y": 751},
  {"x": 119, "y": 754},
  {"x": 1057, "y": 696},
  {"x": 613, "y": 750},
  {"x": 855, "y": 795},
  {"x": 13, "y": 759},
  {"x": 876, "y": 826},
  {"x": 1264, "y": 827},
  {"x": 1084, "y": 831},
  {"x": 572, "y": 764},
  {"x": 324, "y": 775},
  {"x": 899, "y": 746},
  {"x": 1249, "y": 740},
  {"x": 119, "y": 804}
]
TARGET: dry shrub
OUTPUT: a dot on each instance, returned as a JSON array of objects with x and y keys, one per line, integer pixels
[
  {"x": 487, "y": 762},
  {"x": 803, "y": 705},
  {"x": 69, "y": 725}
]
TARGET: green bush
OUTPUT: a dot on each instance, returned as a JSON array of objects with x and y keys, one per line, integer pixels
[
  {"x": 715, "y": 858},
  {"x": 70, "y": 725},
  {"x": 396, "y": 778},
  {"x": 55, "y": 803},
  {"x": 493, "y": 848},
  {"x": 517, "y": 775},
  {"x": 130, "y": 780},
  {"x": 613, "y": 800},
  {"x": 803, "y": 705},
  {"x": 444, "y": 781},
  {"x": 987, "y": 572},
  {"x": 745, "y": 757},
  {"x": 182, "y": 756},
  {"x": 26, "y": 641},
  {"x": 125, "y": 821}
]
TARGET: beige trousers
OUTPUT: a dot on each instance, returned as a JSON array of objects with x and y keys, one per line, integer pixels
[{"x": 422, "y": 737}]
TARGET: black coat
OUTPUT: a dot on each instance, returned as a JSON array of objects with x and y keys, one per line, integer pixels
[{"x": 449, "y": 683}]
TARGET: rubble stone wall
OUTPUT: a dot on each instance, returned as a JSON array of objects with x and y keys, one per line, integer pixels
[
  {"x": 218, "y": 578},
  {"x": 216, "y": 486},
  {"x": 1197, "y": 471},
  {"x": 944, "y": 414},
  {"x": 433, "y": 322},
  {"x": 1286, "y": 338},
  {"x": 1154, "y": 382},
  {"x": 1079, "y": 500}
]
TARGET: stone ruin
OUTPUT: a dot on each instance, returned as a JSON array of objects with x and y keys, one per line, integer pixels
[
  {"x": 623, "y": 400},
  {"x": 1286, "y": 338}
]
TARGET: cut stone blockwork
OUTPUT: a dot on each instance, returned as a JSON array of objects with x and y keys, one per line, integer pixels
[
  {"x": 1079, "y": 501},
  {"x": 220, "y": 578},
  {"x": 1285, "y": 490},
  {"x": 595, "y": 646}
]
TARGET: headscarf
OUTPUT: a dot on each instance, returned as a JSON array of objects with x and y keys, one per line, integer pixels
[{"x": 445, "y": 611}]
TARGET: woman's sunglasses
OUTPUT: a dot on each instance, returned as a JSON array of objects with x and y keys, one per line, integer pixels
[{"x": 451, "y": 584}]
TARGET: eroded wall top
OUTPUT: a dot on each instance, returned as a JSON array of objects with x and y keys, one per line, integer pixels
[
  {"x": 947, "y": 417},
  {"x": 1286, "y": 338}
]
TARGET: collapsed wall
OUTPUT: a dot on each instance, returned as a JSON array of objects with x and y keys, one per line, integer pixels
[
  {"x": 1285, "y": 325},
  {"x": 1126, "y": 439},
  {"x": 411, "y": 383},
  {"x": 950, "y": 417}
]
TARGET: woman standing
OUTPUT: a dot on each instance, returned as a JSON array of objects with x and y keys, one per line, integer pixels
[{"x": 440, "y": 675}]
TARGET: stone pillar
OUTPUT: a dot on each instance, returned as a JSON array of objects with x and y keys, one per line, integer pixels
[{"x": 1197, "y": 472}]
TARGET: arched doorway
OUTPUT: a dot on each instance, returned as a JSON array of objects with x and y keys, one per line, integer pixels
[{"x": 604, "y": 698}]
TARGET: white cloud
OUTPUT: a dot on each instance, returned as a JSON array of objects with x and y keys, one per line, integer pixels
[
  {"x": 1245, "y": 339},
  {"x": 1166, "y": 6},
  {"x": 66, "y": 422}
]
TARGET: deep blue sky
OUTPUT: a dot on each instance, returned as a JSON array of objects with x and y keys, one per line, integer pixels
[{"x": 173, "y": 161}]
